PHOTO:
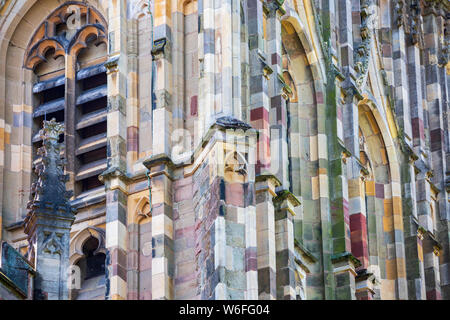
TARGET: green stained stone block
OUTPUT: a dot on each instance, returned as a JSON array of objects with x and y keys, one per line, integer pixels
[
  {"x": 309, "y": 212},
  {"x": 235, "y": 279},
  {"x": 238, "y": 258},
  {"x": 235, "y": 234},
  {"x": 339, "y": 245},
  {"x": 307, "y": 232},
  {"x": 235, "y": 294},
  {"x": 343, "y": 293},
  {"x": 338, "y": 229},
  {"x": 298, "y": 230}
]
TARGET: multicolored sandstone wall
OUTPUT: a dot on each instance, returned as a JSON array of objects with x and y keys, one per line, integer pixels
[{"x": 231, "y": 149}]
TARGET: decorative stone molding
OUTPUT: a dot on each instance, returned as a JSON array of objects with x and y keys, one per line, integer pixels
[
  {"x": 50, "y": 217},
  {"x": 416, "y": 23},
  {"x": 344, "y": 262},
  {"x": 138, "y": 9},
  {"x": 112, "y": 64},
  {"x": 78, "y": 240},
  {"x": 366, "y": 282},
  {"x": 52, "y": 244},
  {"x": 267, "y": 71},
  {"x": 235, "y": 163},
  {"x": 115, "y": 178},
  {"x": 421, "y": 232},
  {"x": 362, "y": 53},
  {"x": 228, "y": 122},
  {"x": 401, "y": 14},
  {"x": 67, "y": 42},
  {"x": 267, "y": 182},
  {"x": 286, "y": 200},
  {"x": 159, "y": 47}
]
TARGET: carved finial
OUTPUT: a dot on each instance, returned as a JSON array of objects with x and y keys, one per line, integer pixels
[
  {"x": 48, "y": 191},
  {"x": 51, "y": 130}
]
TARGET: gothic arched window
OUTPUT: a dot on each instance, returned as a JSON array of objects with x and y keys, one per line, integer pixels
[
  {"x": 91, "y": 272},
  {"x": 67, "y": 55}
]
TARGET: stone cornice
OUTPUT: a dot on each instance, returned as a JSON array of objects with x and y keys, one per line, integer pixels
[
  {"x": 345, "y": 256},
  {"x": 158, "y": 159},
  {"x": 112, "y": 63},
  {"x": 287, "y": 195}
]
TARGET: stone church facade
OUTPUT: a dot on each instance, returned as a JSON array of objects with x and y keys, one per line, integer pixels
[{"x": 225, "y": 149}]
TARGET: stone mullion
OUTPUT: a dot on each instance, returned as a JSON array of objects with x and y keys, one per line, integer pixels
[
  {"x": 162, "y": 114},
  {"x": 343, "y": 267},
  {"x": 163, "y": 262},
  {"x": 245, "y": 68},
  {"x": 413, "y": 251},
  {"x": 69, "y": 121},
  {"x": 413, "y": 245},
  {"x": 431, "y": 265},
  {"x": 162, "y": 55},
  {"x": 350, "y": 108},
  {"x": 426, "y": 225},
  {"x": 443, "y": 223},
  {"x": 162, "y": 213},
  {"x": 359, "y": 235},
  {"x": 237, "y": 79},
  {"x": 372, "y": 232},
  {"x": 330, "y": 137},
  {"x": 416, "y": 242},
  {"x": 356, "y": 21},
  {"x": 259, "y": 73},
  {"x": 433, "y": 31},
  {"x": 416, "y": 99},
  {"x": 401, "y": 86},
  {"x": 132, "y": 98},
  {"x": 435, "y": 107},
  {"x": 266, "y": 250},
  {"x": 224, "y": 67},
  {"x": 284, "y": 205},
  {"x": 181, "y": 105},
  {"x": 358, "y": 220},
  {"x": 423, "y": 200},
  {"x": 350, "y": 117},
  {"x": 114, "y": 177},
  {"x": 133, "y": 261},
  {"x": 132, "y": 155},
  {"x": 207, "y": 51},
  {"x": 278, "y": 111}
]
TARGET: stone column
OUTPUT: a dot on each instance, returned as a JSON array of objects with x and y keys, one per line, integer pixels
[
  {"x": 345, "y": 265},
  {"x": 160, "y": 171},
  {"x": 400, "y": 78},
  {"x": 69, "y": 119},
  {"x": 266, "y": 249},
  {"x": 330, "y": 138},
  {"x": 49, "y": 219},
  {"x": 284, "y": 203},
  {"x": 115, "y": 177},
  {"x": 431, "y": 252},
  {"x": 278, "y": 96},
  {"x": 365, "y": 285},
  {"x": 344, "y": 272},
  {"x": 435, "y": 18},
  {"x": 260, "y": 72}
]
